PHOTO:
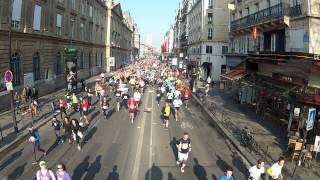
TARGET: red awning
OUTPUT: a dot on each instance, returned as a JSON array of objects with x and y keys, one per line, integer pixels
[{"x": 235, "y": 74}]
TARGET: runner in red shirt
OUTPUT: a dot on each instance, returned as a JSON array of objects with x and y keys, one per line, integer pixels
[
  {"x": 63, "y": 106},
  {"x": 84, "y": 110},
  {"x": 187, "y": 93},
  {"x": 132, "y": 106}
]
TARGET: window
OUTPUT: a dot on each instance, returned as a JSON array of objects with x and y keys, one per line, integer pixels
[
  {"x": 15, "y": 68},
  {"x": 209, "y": 4},
  {"x": 58, "y": 64},
  {"x": 37, "y": 18},
  {"x": 208, "y": 49},
  {"x": 101, "y": 59},
  {"x": 210, "y": 34},
  {"x": 81, "y": 31},
  {"x": 90, "y": 11},
  {"x": 73, "y": 4},
  {"x": 97, "y": 59},
  {"x": 36, "y": 66},
  {"x": 16, "y": 14},
  {"x": 240, "y": 14},
  {"x": 209, "y": 18},
  {"x": 81, "y": 60},
  {"x": 247, "y": 11},
  {"x": 72, "y": 28},
  {"x": 58, "y": 24},
  {"x": 83, "y": 7},
  {"x": 90, "y": 32},
  {"x": 257, "y": 6},
  {"x": 224, "y": 49}
]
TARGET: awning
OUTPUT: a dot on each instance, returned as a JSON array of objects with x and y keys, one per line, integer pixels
[{"x": 234, "y": 74}]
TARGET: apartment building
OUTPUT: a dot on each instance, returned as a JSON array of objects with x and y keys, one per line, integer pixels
[
  {"x": 40, "y": 31},
  {"x": 273, "y": 26},
  {"x": 207, "y": 37},
  {"x": 176, "y": 32}
]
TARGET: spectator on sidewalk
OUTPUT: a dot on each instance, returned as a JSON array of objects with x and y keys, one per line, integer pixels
[
  {"x": 275, "y": 170},
  {"x": 43, "y": 173},
  {"x": 62, "y": 173},
  {"x": 227, "y": 174},
  {"x": 257, "y": 171},
  {"x": 56, "y": 124},
  {"x": 35, "y": 140}
]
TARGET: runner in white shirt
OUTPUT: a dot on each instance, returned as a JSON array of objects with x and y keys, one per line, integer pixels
[
  {"x": 257, "y": 171},
  {"x": 170, "y": 97},
  {"x": 177, "y": 93},
  {"x": 177, "y": 103},
  {"x": 137, "y": 97}
]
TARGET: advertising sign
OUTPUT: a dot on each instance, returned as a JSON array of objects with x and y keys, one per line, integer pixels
[
  {"x": 111, "y": 61},
  {"x": 311, "y": 118},
  {"x": 8, "y": 76},
  {"x": 174, "y": 61}
]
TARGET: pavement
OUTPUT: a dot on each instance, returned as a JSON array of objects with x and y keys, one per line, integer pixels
[
  {"x": 115, "y": 149},
  {"x": 10, "y": 139},
  {"x": 270, "y": 133}
]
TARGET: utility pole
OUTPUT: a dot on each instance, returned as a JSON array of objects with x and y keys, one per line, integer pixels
[{"x": 13, "y": 113}]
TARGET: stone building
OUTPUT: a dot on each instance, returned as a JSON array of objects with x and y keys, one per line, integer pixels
[
  {"x": 207, "y": 37},
  {"x": 119, "y": 37},
  {"x": 41, "y": 30}
]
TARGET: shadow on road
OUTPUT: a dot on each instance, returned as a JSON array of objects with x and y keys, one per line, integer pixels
[
  {"x": 214, "y": 177},
  {"x": 173, "y": 144},
  {"x": 236, "y": 162},
  {"x": 93, "y": 169},
  {"x": 17, "y": 172},
  {"x": 154, "y": 173},
  {"x": 81, "y": 168},
  {"x": 170, "y": 176},
  {"x": 113, "y": 175},
  {"x": 221, "y": 163},
  {"x": 11, "y": 159},
  {"x": 90, "y": 134},
  {"x": 199, "y": 170}
]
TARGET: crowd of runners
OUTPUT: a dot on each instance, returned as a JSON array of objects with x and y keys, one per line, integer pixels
[{"x": 123, "y": 91}]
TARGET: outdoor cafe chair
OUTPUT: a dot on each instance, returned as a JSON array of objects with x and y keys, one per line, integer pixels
[{"x": 297, "y": 149}]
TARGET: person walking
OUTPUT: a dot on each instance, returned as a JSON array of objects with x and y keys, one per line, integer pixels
[
  {"x": 227, "y": 174},
  {"x": 44, "y": 173},
  {"x": 35, "y": 140},
  {"x": 56, "y": 124},
  {"x": 62, "y": 173},
  {"x": 275, "y": 170},
  {"x": 76, "y": 132},
  {"x": 257, "y": 171},
  {"x": 184, "y": 148}
]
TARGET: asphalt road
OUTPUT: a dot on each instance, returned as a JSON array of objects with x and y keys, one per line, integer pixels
[{"x": 145, "y": 150}]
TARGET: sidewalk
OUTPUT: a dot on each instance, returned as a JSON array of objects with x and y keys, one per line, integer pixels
[
  {"x": 10, "y": 138},
  {"x": 270, "y": 134}
]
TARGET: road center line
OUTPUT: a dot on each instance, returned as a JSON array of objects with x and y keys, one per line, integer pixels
[
  {"x": 135, "y": 172},
  {"x": 151, "y": 136}
]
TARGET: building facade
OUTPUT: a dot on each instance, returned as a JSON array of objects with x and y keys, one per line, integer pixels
[
  {"x": 40, "y": 31},
  {"x": 119, "y": 37},
  {"x": 136, "y": 42},
  {"x": 273, "y": 26},
  {"x": 207, "y": 38}
]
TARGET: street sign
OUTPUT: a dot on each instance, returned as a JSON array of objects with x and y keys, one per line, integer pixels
[
  {"x": 311, "y": 118},
  {"x": 8, "y": 76},
  {"x": 9, "y": 86},
  {"x": 111, "y": 61}
]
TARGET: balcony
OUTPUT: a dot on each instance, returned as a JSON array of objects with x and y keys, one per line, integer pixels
[{"x": 268, "y": 14}]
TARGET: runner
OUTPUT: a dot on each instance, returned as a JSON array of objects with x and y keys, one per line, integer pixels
[
  {"x": 184, "y": 148},
  {"x": 75, "y": 102},
  {"x": 166, "y": 115},
  {"x": 117, "y": 95},
  {"x": 105, "y": 107},
  {"x": 62, "y": 173},
  {"x": 35, "y": 140},
  {"x": 227, "y": 174},
  {"x": 67, "y": 129},
  {"x": 177, "y": 94},
  {"x": 125, "y": 98},
  {"x": 159, "y": 95},
  {"x": 274, "y": 171},
  {"x": 256, "y": 171},
  {"x": 137, "y": 98},
  {"x": 187, "y": 93},
  {"x": 84, "y": 110},
  {"x": 132, "y": 105},
  {"x": 177, "y": 103},
  {"x": 63, "y": 106},
  {"x": 43, "y": 173},
  {"x": 76, "y": 132},
  {"x": 56, "y": 124},
  {"x": 170, "y": 96}
]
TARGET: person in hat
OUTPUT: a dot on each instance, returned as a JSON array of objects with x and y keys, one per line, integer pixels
[{"x": 44, "y": 173}]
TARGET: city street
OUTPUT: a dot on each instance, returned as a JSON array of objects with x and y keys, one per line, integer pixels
[{"x": 115, "y": 149}]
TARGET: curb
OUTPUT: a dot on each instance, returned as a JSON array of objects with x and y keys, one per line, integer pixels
[
  {"x": 243, "y": 152},
  {"x": 4, "y": 151}
]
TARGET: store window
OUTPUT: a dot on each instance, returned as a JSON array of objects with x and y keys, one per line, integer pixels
[{"x": 36, "y": 66}]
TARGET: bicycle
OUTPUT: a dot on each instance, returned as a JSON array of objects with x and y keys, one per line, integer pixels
[{"x": 247, "y": 140}]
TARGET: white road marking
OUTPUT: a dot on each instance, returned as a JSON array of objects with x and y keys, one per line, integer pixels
[
  {"x": 139, "y": 127},
  {"x": 151, "y": 137},
  {"x": 135, "y": 172}
]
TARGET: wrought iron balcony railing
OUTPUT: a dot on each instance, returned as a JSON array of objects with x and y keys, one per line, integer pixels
[{"x": 267, "y": 14}]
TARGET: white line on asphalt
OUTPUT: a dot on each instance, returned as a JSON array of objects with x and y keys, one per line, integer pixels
[
  {"x": 151, "y": 135},
  {"x": 135, "y": 172}
]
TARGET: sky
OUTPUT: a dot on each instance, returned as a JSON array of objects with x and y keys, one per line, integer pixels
[{"x": 151, "y": 16}]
